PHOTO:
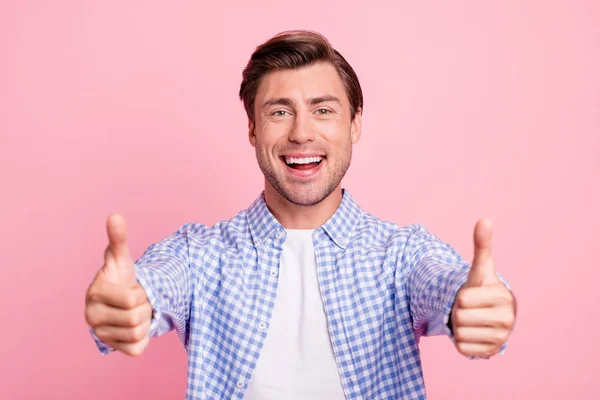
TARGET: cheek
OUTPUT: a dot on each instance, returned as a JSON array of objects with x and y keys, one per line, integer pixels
[
  {"x": 270, "y": 133},
  {"x": 336, "y": 133}
]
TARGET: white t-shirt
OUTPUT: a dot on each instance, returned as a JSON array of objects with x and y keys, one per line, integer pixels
[{"x": 297, "y": 361}]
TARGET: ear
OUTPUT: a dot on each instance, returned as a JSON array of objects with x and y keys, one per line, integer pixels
[
  {"x": 251, "y": 133},
  {"x": 355, "y": 128}
]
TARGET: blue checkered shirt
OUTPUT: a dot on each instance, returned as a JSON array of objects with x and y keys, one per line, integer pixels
[{"x": 382, "y": 286}]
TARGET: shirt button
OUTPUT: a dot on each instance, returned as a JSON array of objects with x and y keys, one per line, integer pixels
[
  {"x": 344, "y": 241},
  {"x": 279, "y": 235},
  {"x": 273, "y": 272},
  {"x": 240, "y": 384},
  {"x": 262, "y": 326}
]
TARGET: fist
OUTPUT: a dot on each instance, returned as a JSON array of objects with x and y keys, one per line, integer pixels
[
  {"x": 116, "y": 306},
  {"x": 484, "y": 310}
]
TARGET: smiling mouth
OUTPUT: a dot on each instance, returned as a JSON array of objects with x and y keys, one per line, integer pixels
[{"x": 302, "y": 164}]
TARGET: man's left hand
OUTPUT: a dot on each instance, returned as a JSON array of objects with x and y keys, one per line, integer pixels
[{"x": 484, "y": 310}]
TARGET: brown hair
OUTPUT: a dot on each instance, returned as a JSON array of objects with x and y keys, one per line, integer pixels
[{"x": 291, "y": 50}]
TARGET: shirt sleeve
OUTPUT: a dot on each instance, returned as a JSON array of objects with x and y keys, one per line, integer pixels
[
  {"x": 436, "y": 273},
  {"x": 164, "y": 273}
]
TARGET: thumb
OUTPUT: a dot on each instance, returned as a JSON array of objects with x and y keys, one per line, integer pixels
[
  {"x": 482, "y": 271},
  {"x": 118, "y": 263}
]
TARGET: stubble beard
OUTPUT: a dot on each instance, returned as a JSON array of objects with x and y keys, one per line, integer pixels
[{"x": 311, "y": 193}]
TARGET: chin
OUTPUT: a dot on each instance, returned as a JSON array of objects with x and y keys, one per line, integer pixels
[
  {"x": 304, "y": 200},
  {"x": 306, "y": 195}
]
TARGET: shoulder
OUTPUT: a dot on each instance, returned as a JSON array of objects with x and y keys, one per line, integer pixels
[
  {"x": 225, "y": 232},
  {"x": 375, "y": 229}
]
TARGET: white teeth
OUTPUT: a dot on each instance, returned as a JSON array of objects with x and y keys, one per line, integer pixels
[{"x": 306, "y": 160}]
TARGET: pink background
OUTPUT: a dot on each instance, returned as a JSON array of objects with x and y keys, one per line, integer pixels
[{"x": 471, "y": 109}]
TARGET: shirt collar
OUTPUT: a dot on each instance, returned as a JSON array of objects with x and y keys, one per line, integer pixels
[{"x": 339, "y": 227}]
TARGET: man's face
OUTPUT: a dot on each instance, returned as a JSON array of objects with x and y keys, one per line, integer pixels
[{"x": 303, "y": 132}]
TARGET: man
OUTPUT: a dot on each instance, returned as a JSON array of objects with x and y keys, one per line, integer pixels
[{"x": 303, "y": 295}]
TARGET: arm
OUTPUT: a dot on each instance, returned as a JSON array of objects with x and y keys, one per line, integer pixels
[
  {"x": 472, "y": 305},
  {"x": 435, "y": 274},
  {"x": 127, "y": 303},
  {"x": 164, "y": 272}
]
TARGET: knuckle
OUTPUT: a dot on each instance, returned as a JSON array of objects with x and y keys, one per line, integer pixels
[
  {"x": 491, "y": 352},
  {"x": 140, "y": 292},
  {"x": 506, "y": 296},
  {"x": 137, "y": 349},
  {"x": 459, "y": 317},
  {"x": 137, "y": 333},
  {"x": 499, "y": 338},
  {"x": 129, "y": 300},
  {"x": 462, "y": 300},
  {"x": 93, "y": 295},
  {"x": 132, "y": 335},
  {"x": 127, "y": 350},
  {"x": 101, "y": 333},
  {"x": 463, "y": 348},
  {"x": 507, "y": 321},
  {"x": 91, "y": 317},
  {"x": 484, "y": 352},
  {"x": 133, "y": 320}
]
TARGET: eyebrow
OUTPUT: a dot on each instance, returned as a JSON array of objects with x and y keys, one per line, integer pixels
[{"x": 284, "y": 101}]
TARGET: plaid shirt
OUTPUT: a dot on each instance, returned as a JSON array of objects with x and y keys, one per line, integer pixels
[{"x": 382, "y": 286}]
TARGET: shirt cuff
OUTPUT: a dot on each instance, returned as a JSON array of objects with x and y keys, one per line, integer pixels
[
  {"x": 101, "y": 344},
  {"x": 459, "y": 282},
  {"x": 155, "y": 303}
]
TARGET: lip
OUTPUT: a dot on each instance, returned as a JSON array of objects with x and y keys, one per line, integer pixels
[{"x": 306, "y": 173}]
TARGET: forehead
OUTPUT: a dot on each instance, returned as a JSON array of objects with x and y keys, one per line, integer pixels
[{"x": 302, "y": 83}]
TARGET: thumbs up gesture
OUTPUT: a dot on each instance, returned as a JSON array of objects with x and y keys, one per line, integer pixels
[
  {"x": 484, "y": 310},
  {"x": 116, "y": 306}
]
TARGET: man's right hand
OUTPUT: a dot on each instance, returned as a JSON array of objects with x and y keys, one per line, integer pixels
[{"x": 116, "y": 306}]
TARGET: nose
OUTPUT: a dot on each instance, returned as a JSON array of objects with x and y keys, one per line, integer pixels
[{"x": 302, "y": 130}]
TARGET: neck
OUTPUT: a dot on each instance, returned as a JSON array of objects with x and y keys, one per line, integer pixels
[{"x": 294, "y": 216}]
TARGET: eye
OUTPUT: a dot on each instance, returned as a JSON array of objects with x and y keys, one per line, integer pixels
[
  {"x": 279, "y": 113},
  {"x": 323, "y": 111}
]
